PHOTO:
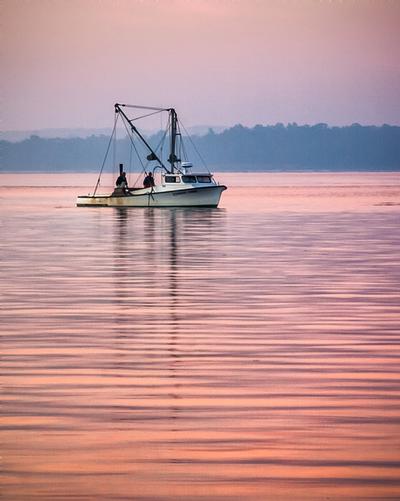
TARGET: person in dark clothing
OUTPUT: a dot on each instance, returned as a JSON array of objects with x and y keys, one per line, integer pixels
[
  {"x": 148, "y": 181},
  {"x": 121, "y": 181}
]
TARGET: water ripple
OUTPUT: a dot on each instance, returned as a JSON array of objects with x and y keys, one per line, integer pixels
[{"x": 247, "y": 352}]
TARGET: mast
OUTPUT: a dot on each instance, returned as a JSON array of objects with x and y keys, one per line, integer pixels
[{"x": 172, "y": 157}]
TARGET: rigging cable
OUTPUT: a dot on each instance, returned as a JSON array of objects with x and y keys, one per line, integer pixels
[
  {"x": 105, "y": 157},
  {"x": 162, "y": 140},
  {"x": 137, "y": 106},
  {"x": 161, "y": 128},
  {"x": 133, "y": 144},
  {"x": 114, "y": 161},
  {"x": 182, "y": 149},
  {"x": 137, "y": 154},
  {"x": 144, "y": 116},
  {"x": 130, "y": 161},
  {"x": 161, "y": 143},
  {"x": 194, "y": 146}
]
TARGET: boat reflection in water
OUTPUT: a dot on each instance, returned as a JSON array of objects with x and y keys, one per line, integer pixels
[{"x": 154, "y": 290}]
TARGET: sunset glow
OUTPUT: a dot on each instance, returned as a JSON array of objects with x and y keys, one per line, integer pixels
[{"x": 220, "y": 62}]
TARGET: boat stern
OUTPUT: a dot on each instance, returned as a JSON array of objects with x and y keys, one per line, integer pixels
[{"x": 92, "y": 201}]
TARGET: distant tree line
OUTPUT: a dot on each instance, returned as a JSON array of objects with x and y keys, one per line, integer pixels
[{"x": 270, "y": 148}]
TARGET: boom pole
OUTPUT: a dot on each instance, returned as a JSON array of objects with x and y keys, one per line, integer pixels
[{"x": 153, "y": 155}]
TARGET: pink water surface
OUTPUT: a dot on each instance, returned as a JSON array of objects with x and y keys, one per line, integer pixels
[{"x": 246, "y": 352}]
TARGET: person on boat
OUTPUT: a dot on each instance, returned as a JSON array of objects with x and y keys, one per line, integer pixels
[
  {"x": 148, "y": 181},
  {"x": 121, "y": 181}
]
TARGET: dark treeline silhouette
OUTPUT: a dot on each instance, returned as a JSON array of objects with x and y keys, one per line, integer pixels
[{"x": 270, "y": 148}]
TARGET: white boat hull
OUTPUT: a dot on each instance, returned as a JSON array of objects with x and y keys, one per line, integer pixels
[{"x": 192, "y": 197}]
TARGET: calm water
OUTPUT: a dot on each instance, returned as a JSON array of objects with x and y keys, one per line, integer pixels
[{"x": 246, "y": 352}]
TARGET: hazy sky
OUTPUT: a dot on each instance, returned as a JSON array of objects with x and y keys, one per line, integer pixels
[{"x": 65, "y": 62}]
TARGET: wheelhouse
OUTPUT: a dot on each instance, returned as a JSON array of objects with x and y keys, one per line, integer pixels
[{"x": 192, "y": 179}]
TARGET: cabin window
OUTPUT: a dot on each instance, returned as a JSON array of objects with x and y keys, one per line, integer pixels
[
  {"x": 171, "y": 179},
  {"x": 189, "y": 179},
  {"x": 203, "y": 179}
]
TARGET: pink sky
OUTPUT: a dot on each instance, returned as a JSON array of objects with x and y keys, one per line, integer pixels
[{"x": 219, "y": 62}]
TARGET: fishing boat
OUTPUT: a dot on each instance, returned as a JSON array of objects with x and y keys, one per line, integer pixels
[{"x": 176, "y": 183}]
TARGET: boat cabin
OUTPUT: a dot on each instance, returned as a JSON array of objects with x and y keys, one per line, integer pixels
[
  {"x": 183, "y": 175},
  {"x": 177, "y": 177}
]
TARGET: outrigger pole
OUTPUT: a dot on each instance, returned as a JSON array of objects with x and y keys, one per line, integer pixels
[{"x": 153, "y": 154}]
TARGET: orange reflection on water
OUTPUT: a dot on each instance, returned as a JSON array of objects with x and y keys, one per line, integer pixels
[{"x": 250, "y": 351}]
